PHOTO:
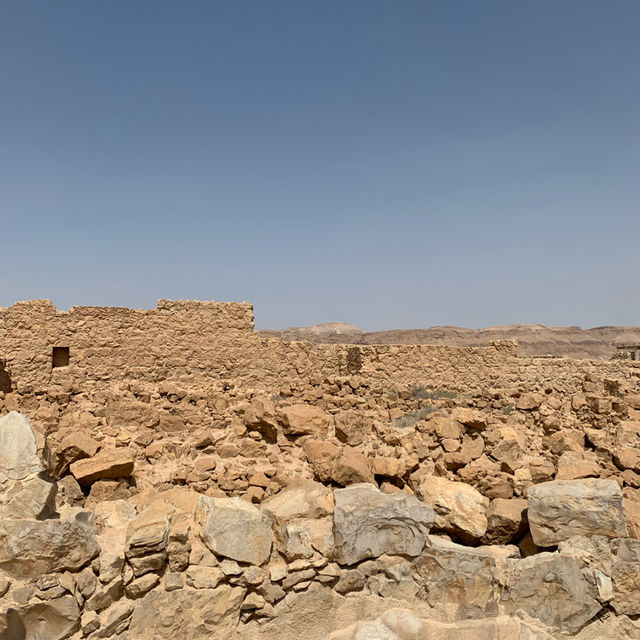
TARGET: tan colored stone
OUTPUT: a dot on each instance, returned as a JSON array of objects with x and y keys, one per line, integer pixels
[
  {"x": 529, "y": 401},
  {"x": 304, "y": 419},
  {"x": 551, "y": 588},
  {"x": 321, "y": 455},
  {"x": 473, "y": 418},
  {"x": 506, "y": 520},
  {"x": 32, "y": 498},
  {"x": 197, "y": 614},
  {"x": 30, "y": 548},
  {"x": 74, "y": 446},
  {"x": 403, "y": 624},
  {"x": 300, "y": 499},
  {"x": 625, "y": 576},
  {"x": 235, "y": 529},
  {"x": 459, "y": 508},
  {"x": 352, "y": 427},
  {"x": 351, "y": 467},
  {"x": 108, "y": 463},
  {"x": 54, "y": 619}
]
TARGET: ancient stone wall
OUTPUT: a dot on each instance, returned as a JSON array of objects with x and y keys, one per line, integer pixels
[
  {"x": 178, "y": 340},
  {"x": 204, "y": 343}
]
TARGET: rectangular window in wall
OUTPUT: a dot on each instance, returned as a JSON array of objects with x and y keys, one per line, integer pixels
[{"x": 60, "y": 357}]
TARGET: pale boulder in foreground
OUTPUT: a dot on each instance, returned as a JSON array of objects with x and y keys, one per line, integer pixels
[
  {"x": 21, "y": 448},
  {"x": 560, "y": 509},
  {"x": 368, "y": 523},
  {"x": 233, "y": 528},
  {"x": 459, "y": 508}
]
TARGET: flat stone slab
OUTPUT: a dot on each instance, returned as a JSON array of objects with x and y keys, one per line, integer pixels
[{"x": 110, "y": 463}]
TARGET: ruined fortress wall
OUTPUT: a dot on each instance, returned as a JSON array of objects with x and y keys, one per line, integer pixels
[
  {"x": 206, "y": 343},
  {"x": 180, "y": 339}
]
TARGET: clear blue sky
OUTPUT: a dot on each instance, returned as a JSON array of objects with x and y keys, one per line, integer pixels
[{"x": 391, "y": 164}]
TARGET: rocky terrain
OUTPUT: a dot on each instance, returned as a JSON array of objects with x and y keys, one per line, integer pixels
[
  {"x": 478, "y": 496},
  {"x": 533, "y": 339}
]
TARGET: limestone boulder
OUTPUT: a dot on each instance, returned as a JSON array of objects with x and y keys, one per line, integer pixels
[
  {"x": 34, "y": 498},
  {"x": 146, "y": 545},
  {"x": 29, "y": 548},
  {"x": 551, "y": 588},
  {"x": 304, "y": 419},
  {"x": 74, "y": 446},
  {"x": 460, "y": 581},
  {"x": 625, "y": 576},
  {"x": 300, "y": 499},
  {"x": 197, "y": 614},
  {"x": 632, "y": 510},
  {"x": 23, "y": 450},
  {"x": 472, "y": 418},
  {"x": 113, "y": 514},
  {"x": 53, "y": 619},
  {"x": 302, "y": 538},
  {"x": 233, "y": 528},
  {"x": 459, "y": 508},
  {"x": 529, "y": 401},
  {"x": 301, "y": 513},
  {"x": 560, "y": 509},
  {"x": 261, "y": 416},
  {"x": 368, "y": 523},
  {"x": 351, "y": 467},
  {"x": 353, "y": 427},
  {"x": 506, "y": 520},
  {"x": 123, "y": 412},
  {"x": 107, "y": 463},
  {"x": 322, "y": 457}
]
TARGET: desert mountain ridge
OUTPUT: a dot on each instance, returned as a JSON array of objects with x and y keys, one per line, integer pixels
[{"x": 533, "y": 339}]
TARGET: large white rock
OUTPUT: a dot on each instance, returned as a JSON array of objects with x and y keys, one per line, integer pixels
[
  {"x": 368, "y": 523},
  {"x": 560, "y": 509},
  {"x": 551, "y": 588},
  {"x": 21, "y": 448},
  {"x": 29, "y": 548},
  {"x": 233, "y": 528},
  {"x": 459, "y": 508},
  {"x": 32, "y": 498}
]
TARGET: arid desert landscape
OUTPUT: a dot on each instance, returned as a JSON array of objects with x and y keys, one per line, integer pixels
[
  {"x": 533, "y": 339},
  {"x": 172, "y": 474}
]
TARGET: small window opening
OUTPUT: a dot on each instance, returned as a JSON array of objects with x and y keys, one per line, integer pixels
[
  {"x": 60, "y": 357},
  {"x": 5, "y": 378}
]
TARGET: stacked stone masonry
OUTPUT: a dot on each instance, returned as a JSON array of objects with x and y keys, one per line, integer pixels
[{"x": 181, "y": 477}]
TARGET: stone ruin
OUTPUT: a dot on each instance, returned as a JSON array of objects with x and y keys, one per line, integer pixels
[{"x": 170, "y": 474}]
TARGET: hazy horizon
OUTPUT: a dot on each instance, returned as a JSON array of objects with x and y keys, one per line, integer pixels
[{"x": 390, "y": 165}]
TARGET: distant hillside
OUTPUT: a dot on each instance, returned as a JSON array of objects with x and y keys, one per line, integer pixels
[{"x": 533, "y": 339}]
